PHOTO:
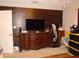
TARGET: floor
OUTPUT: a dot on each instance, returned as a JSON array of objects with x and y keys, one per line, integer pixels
[
  {"x": 64, "y": 55},
  {"x": 44, "y": 52}
]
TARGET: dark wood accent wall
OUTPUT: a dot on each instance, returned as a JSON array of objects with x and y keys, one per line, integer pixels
[{"x": 51, "y": 16}]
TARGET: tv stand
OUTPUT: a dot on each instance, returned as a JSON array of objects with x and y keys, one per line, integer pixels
[{"x": 34, "y": 40}]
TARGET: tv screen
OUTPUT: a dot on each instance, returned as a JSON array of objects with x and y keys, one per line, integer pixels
[{"x": 35, "y": 24}]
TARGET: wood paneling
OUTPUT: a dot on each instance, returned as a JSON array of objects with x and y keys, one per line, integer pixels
[
  {"x": 24, "y": 42},
  {"x": 50, "y": 16}
]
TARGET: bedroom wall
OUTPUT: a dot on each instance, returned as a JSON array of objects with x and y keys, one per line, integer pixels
[
  {"x": 70, "y": 15},
  {"x": 21, "y": 14},
  {"x": 40, "y": 4}
]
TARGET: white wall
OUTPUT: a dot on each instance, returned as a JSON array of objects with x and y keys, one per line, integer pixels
[
  {"x": 70, "y": 15},
  {"x": 19, "y": 16},
  {"x": 41, "y": 4}
]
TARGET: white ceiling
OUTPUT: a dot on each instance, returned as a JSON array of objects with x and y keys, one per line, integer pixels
[{"x": 45, "y": 4}]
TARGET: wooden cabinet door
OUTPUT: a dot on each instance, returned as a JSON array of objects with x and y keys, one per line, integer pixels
[
  {"x": 46, "y": 39},
  {"x": 34, "y": 42},
  {"x": 24, "y": 41},
  {"x": 27, "y": 42},
  {"x": 40, "y": 39}
]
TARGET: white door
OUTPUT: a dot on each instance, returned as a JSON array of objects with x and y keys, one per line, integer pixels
[{"x": 6, "y": 33}]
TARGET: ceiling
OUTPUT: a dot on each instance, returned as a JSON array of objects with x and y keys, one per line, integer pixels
[{"x": 45, "y": 4}]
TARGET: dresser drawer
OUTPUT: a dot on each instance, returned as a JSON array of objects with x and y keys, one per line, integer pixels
[
  {"x": 74, "y": 37},
  {"x": 73, "y": 44},
  {"x": 73, "y": 52}
]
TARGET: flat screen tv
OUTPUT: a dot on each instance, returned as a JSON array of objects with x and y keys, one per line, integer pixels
[{"x": 35, "y": 24}]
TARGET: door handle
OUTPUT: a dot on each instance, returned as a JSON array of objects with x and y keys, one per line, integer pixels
[{"x": 11, "y": 34}]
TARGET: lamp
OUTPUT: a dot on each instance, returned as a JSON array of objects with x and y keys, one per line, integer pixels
[{"x": 14, "y": 27}]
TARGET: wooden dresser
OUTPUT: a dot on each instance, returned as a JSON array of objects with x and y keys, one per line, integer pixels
[{"x": 33, "y": 40}]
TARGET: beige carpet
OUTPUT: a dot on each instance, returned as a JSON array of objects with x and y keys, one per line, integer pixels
[{"x": 37, "y": 53}]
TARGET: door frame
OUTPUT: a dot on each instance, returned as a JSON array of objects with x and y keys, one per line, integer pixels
[{"x": 78, "y": 16}]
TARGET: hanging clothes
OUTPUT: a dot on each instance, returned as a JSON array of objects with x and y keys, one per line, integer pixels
[
  {"x": 54, "y": 36},
  {"x": 54, "y": 31}
]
